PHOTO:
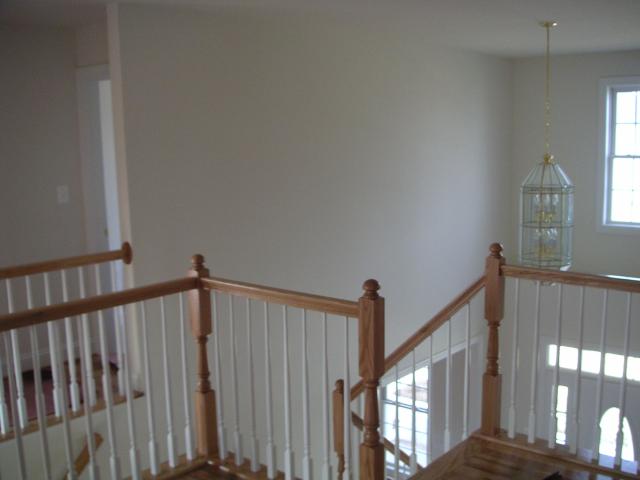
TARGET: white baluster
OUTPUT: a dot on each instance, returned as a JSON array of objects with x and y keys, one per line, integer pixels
[
  {"x": 134, "y": 461},
  {"x": 271, "y": 449},
  {"x": 17, "y": 365},
  {"x": 447, "y": 403},
  {"x": 53, "y": 351},
  {"x": 9, "y": 355},
  {"x": 237, "y": 437},
  {"x": 534, "y": 368},
  {"x": 513, "y": 385},
  {"x": 288, "y": 452},
  {"x": 66, "y": 424},
  {"x": 467, "y": 348},
  {"x": 4, "y": 412},
  {"x": 347, "y": 403},
  {"x": 326, "y": 465},
  {"x": 306, "y": 457},
  {"x": 396, "y": 424},
  {"x": 74, "y": 386},
  {"x": 39, "y": 401},
  {"x": 86, "y": 345},
  {"x": 553, "y": 424},
  {"x": 107, "y": 393},
  {"x": 222, "y": 445},
  {"x": 91, "y": 447},
  {"x": 188, "y": 435},
  {"x": 382, "y": 390},
  {"x": 622, "y": 401},
  {"x": 153, "y": 444},
  {"x": 595, "y": 452},
  {"x": 414, "y": 458},
  {"x": 575, "y": 415},
  {"x": 253, "y": 441},
  {"x": 171, "y": 437},
  {"x": 118, "y": 323},
  {"x": 430, "y": 403}
]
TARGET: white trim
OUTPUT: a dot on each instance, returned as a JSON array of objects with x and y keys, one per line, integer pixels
[{"x": 604, "y": 128}]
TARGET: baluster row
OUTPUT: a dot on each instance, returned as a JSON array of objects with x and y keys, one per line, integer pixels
[
  {"x": 550, "y": 312},
  {"x": 62, "y": 398},
  {"x": 418, "y": 439},
  {"x": 226, "y": 344}
]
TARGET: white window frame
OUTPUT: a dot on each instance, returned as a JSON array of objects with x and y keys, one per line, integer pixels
[{"x": 607, "y": 85}]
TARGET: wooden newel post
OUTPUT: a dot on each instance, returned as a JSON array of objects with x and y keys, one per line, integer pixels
[
  {"x": 493, "y": 313},
  {"x": 371, "y": 336},
  {"x": 201, "y": 328}
]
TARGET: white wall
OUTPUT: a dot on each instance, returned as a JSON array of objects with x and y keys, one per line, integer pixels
[
  {"x": 39, "y": 146},
  {"x": 313, "y": 153},
  {"x": 91, "y": 45},
  {"x": 575, "y": 134}
]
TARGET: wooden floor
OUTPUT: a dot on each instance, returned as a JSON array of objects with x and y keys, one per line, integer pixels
[
  {"x": 208, "y": 471},
  {"x": 480, "y": 459},
  {"x": 228, "y": 469}
]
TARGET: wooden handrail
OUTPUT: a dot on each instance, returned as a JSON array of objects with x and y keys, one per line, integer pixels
[
  {"x": 291, "y": 298},
  {"x": 426, "y": 330},
  {"x": 40, "y": 315},
  {"x": 125, "y": 253},
  {"x": 572, "y": 278},
  {"x": 83, "y": 458}
]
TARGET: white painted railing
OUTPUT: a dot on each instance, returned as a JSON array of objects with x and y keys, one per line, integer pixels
[
  {"x": 117, "y": 417},
  {"x": 571, "y": 333},
  {"x": 41, "y": 284},
  {"x": 285, "y": 408}
]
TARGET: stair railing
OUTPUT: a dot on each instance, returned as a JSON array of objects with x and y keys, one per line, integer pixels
[
  {"x": 268, "y": 311},
  {"x": 563, "y": 332},
  {"x": 154, "y": 303},
  {"x": 36, "y": 284},
  {"x": 415, "y": 356}
]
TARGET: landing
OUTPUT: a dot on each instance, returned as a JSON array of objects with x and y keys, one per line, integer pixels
[{"x": 479, "y": 458}]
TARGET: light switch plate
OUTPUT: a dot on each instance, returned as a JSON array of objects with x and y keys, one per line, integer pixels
[{"x": 63, "y": 194}]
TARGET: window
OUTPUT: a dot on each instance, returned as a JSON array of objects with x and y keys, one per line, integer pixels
[
  {"x": 621, "y": 154},
  {"x": 609, "y": 431},
  {"x": 562, "y": 402},
  {"x": 399, "y": 396},
  {"x": 613, "y": 362}
]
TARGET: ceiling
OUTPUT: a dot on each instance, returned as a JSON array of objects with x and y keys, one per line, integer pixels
[{"x": 500, "y": 27}]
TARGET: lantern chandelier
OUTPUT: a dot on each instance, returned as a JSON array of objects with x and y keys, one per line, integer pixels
[{"x": 546, "y": 215}]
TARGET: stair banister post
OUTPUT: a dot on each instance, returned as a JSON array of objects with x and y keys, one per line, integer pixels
[
  {"x": 371, "y": 350},
  {"x": 493, "y": 312},
  {"x": 199, "y": 301}
]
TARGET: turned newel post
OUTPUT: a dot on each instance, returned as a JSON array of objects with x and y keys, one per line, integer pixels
[
  {"x": 493, "y": 313},
  {"x": 201, "y": 328},
  {"x": 371, "y": 336}
]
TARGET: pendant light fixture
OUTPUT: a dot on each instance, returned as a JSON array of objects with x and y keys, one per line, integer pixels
[{"x": 546, "y": 216}]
